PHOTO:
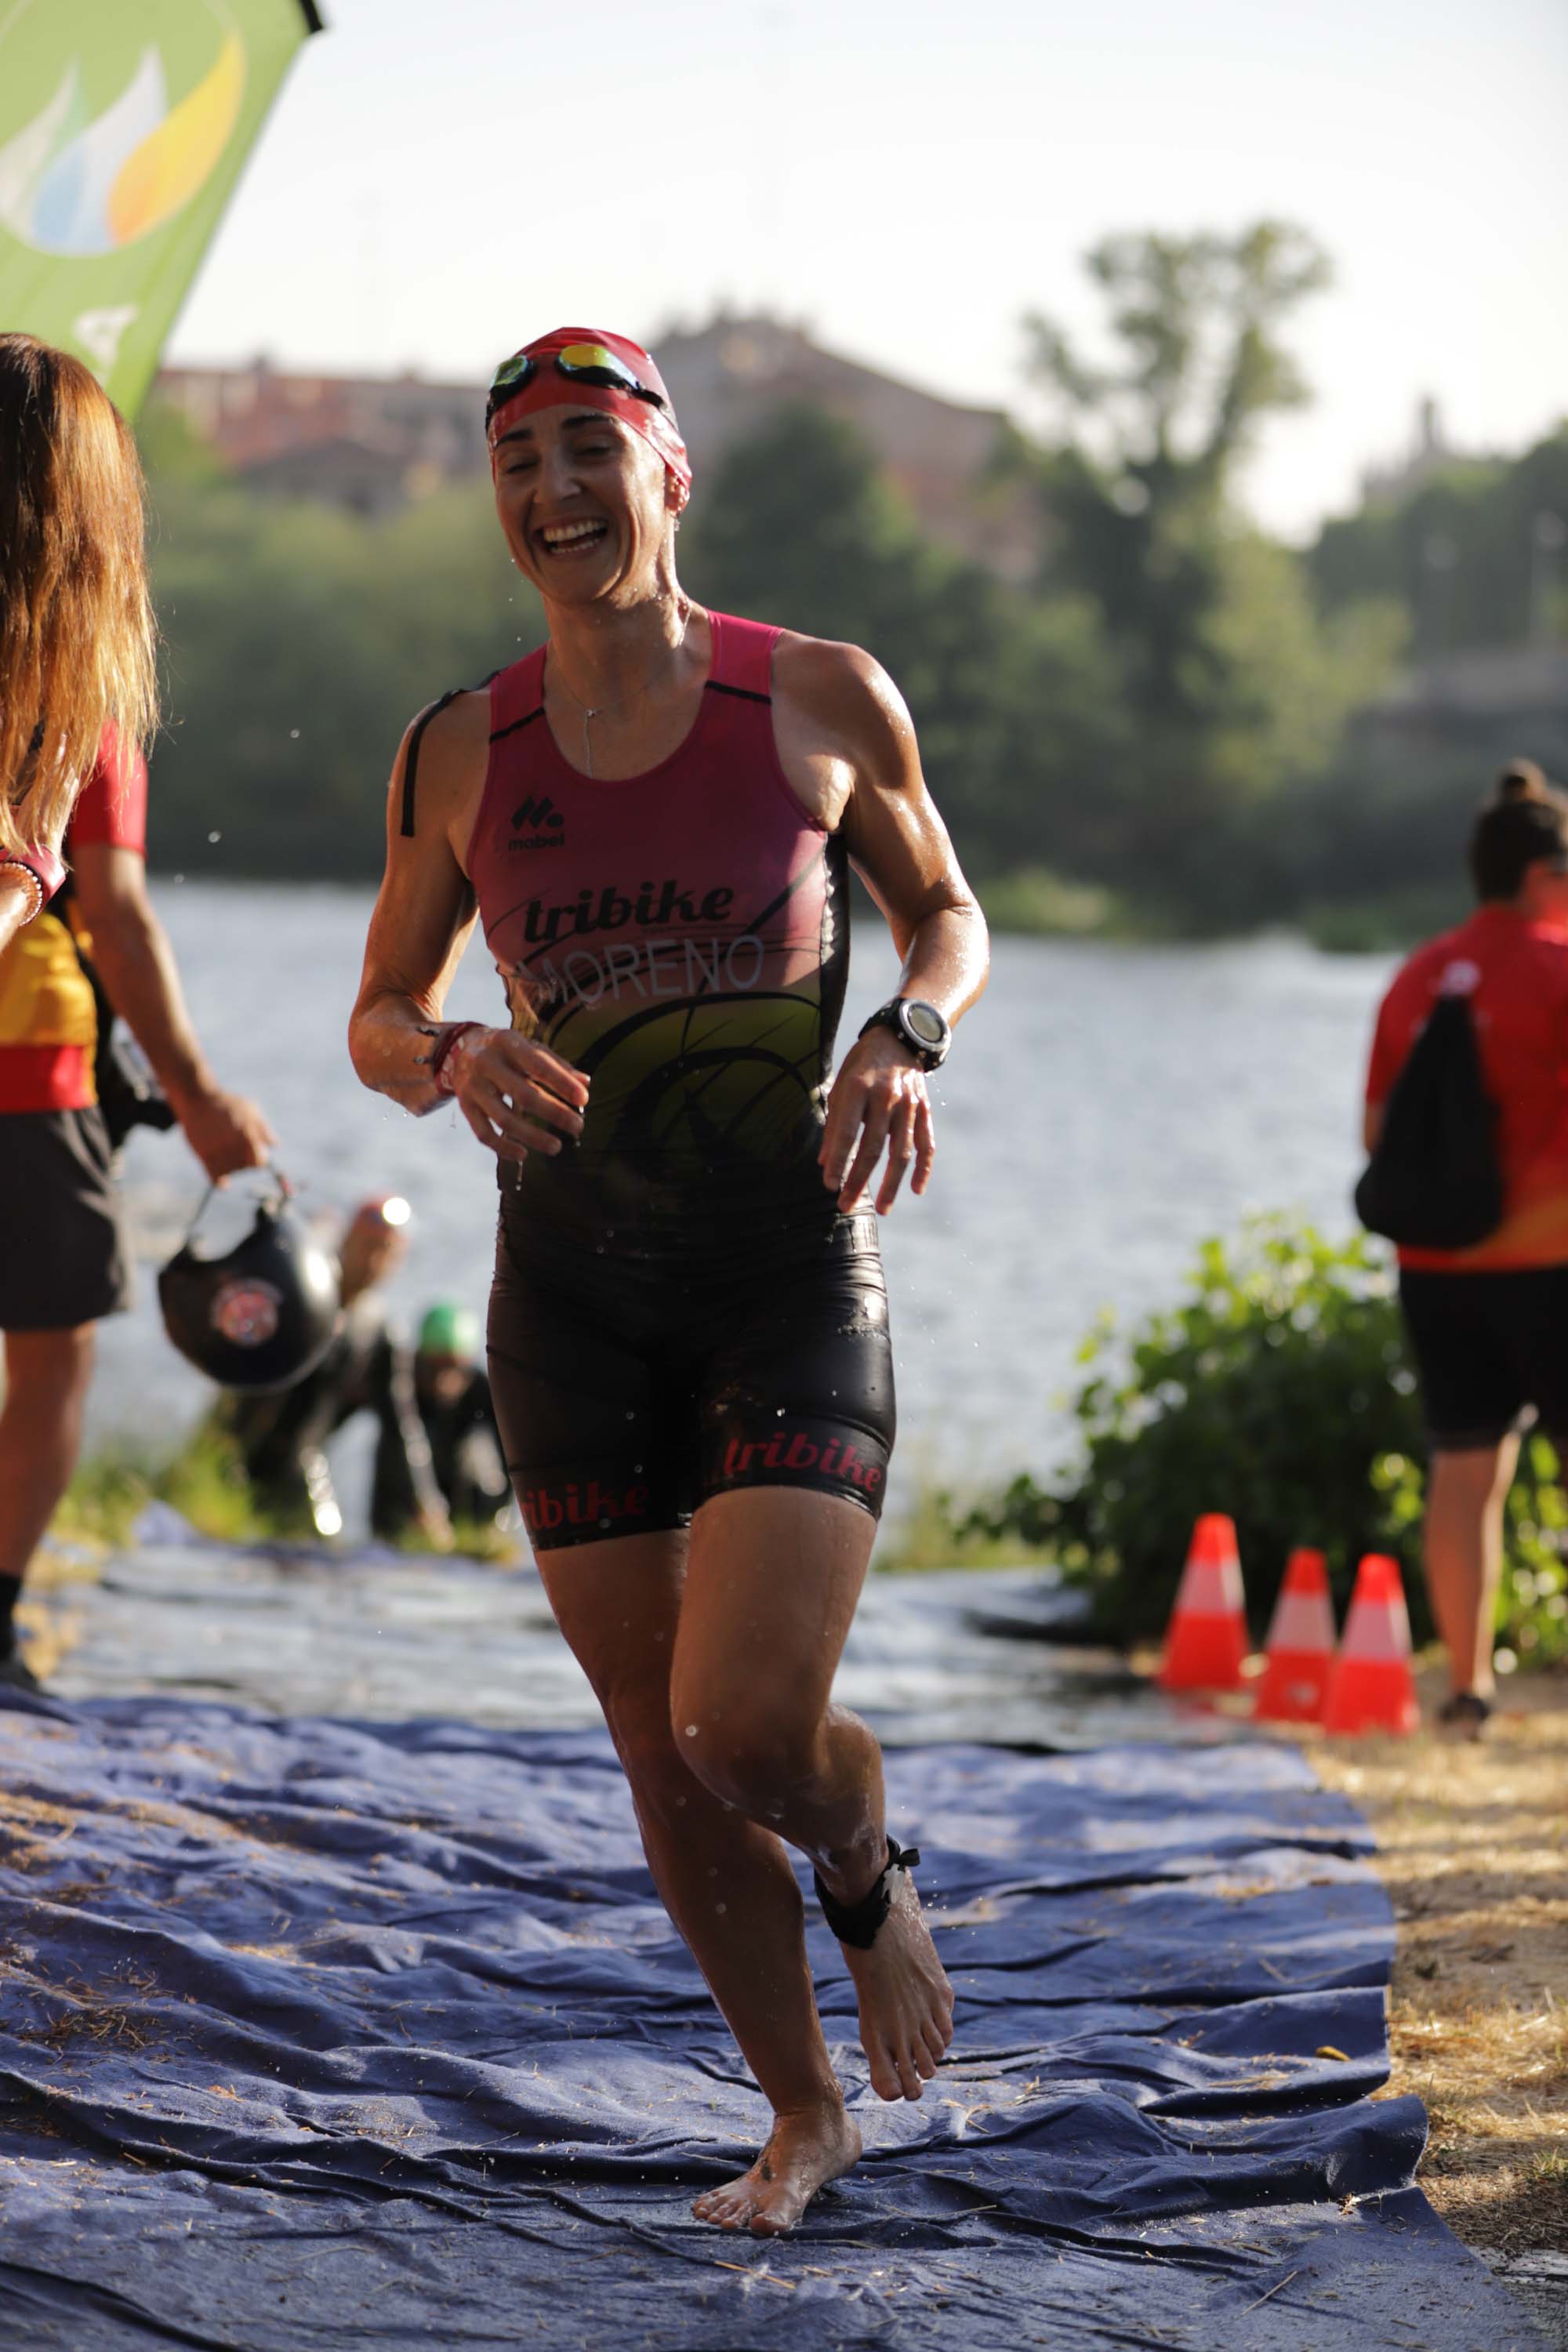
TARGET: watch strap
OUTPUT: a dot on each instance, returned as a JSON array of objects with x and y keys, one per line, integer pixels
[{"x": 886, "y": 1016}]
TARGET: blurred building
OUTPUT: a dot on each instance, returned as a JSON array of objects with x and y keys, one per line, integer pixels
[
  {"x": 371, "y": 443},
  {"x": 729, "y": 376},
  {"x": 1471, "y": 695},
  {"x": 1429, "y": 451}
]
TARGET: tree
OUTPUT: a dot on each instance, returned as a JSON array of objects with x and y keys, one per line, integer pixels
[
  {"x": 298, "y": 641},
  {"x": 1140, "y": 514},
  {"x": 1474, "y": 552},
  {"x": 1015, "y": 696},
  {"x": 1139, "y": 493}
]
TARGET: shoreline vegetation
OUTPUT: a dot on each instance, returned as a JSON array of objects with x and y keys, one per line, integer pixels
[
  {"x": 1035, "y": 903},
  {"x": 1154, "y": 722},
  {"x": 1276, "y": 1388}
]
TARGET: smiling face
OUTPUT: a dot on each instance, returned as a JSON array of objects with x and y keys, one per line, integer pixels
[{"x": 587, "y": 506}]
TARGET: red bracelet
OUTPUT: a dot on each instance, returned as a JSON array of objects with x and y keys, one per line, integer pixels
[
  {"x": 43, "y": 865},
  {"x": 443, "y": 1054}
]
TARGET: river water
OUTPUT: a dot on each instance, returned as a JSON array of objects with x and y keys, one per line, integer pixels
[{"x": 1105, "y": 1108}]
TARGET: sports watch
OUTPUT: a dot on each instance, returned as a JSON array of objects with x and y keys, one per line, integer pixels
[{"x": 927, "y": 1032}]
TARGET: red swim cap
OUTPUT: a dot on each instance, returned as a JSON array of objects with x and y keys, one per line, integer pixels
[{"x": 593, "y": 370}]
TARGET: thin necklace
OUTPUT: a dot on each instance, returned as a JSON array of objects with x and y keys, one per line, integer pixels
[{"x": 598, "y": 710}]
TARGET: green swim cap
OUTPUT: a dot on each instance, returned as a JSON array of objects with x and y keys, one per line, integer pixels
[{"x": 449, "y": 1329}]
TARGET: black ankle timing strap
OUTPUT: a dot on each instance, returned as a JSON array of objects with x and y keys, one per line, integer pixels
[{"x": 856, "y": 1923}]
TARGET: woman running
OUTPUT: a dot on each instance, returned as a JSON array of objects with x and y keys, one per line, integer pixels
[
  {"x": 653, "y": 816},
  {"x": 77, "y": 636}
]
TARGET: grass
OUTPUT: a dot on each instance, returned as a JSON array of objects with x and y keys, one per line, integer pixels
[
  {"x": 1473, "y": 1849},
  {"x": 105, "y": 1498},
  {"x": 1035, "y": 900},
  {"x": 205, "y": 1483},
  {"x": 1393, "y": 920},
  {"x": 923, "y": 1538}
]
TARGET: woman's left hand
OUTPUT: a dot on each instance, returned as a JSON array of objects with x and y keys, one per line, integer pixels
[{"x": 878, "y": 1103}]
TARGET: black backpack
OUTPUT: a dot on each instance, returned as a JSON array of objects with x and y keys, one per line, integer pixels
[{"x": 1434, "y": 1180}]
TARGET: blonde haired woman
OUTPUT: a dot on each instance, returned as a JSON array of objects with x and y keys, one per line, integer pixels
[
  {"x": 76, "y": 705},
  {"x": 77, "y": 639}
]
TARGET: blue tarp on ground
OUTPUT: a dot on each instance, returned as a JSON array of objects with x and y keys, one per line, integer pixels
[{"x": 320, "y": 2035}]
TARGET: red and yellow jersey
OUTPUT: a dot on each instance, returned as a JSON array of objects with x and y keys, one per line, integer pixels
[{"x": 48, "y": 1024}]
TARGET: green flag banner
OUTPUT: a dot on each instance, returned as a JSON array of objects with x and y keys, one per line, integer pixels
[{"x": 124, "y": 125}]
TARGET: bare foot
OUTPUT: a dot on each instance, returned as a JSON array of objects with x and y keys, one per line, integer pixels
[
  {"x": 803, "y": 2154},
  {"x": 905, "y": 2001}
]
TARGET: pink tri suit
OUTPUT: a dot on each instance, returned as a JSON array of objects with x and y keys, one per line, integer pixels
[{"x": 679, "y": 1306}]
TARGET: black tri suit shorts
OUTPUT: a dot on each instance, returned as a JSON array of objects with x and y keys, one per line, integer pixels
[
  {"x": 64, "y": 1260},
  {"x": 1491, "y": 1352},
  {"x": 640, "y": 1368}
]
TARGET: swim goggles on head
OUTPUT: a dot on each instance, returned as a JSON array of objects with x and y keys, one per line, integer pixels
[{"x": 591, "y": 363}]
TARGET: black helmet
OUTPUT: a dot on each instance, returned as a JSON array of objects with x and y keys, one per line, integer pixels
[{"x": 262, "y": 1316}]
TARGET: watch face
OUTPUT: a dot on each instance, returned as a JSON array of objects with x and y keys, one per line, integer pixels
[{"x": 924, "y": 1023}]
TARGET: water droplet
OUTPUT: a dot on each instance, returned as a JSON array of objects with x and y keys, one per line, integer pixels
[
  {"x": 692, "y": 1731},
  {"x": 214, "y": 836},
  {"x": 293, "y": 734},
  {"x": 721, "y": 1908}
]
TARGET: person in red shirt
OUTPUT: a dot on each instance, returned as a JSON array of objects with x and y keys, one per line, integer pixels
[
  {"x": 1489, "y": 1325},
  {"x": 64, "y": 1264}
]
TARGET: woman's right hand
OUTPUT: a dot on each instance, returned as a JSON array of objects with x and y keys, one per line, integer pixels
[{"x": 517, "y": 1095}]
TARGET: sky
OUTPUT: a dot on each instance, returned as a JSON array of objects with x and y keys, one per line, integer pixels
[{"x": 443, "y": 179}]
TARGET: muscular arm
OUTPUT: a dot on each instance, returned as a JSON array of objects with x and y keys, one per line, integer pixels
[
  {"x": 424, "y": 915},
  {"x": 848, "y": 746},
  {"x": 845, "y": 733},
  {"x": 136, "y": 963}
]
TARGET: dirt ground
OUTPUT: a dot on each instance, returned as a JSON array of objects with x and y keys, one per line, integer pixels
[{"x": 1473, "y": 1848}]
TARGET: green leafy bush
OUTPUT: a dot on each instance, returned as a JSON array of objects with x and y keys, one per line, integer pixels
[{"x": 1279, "y": 1391}]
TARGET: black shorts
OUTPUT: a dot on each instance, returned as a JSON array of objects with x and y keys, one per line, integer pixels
[
  {"x": 63, "y": 1259},
  {"x": 1491, "y": 1352},
  {"x": 630, "y": 1387}
]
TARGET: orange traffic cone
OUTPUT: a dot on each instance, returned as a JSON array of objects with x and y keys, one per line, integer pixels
[
  {"x": 1206, "y": 1641},
  {"x": 1370, "y": 1686},
  {"x": 1301, "y": 1645}
]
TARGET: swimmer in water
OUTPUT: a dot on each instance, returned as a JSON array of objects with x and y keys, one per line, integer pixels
[{"x": 654, "y": 816}]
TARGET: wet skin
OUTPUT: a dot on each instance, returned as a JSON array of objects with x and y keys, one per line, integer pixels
[
  {"x": 712, "y": 1656},
  {"x": 712, "y": 1652}
]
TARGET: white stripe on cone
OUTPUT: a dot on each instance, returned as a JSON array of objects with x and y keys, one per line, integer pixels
[
  {"x": 1377, "y": 1631},
  {"x": 1210, "y": 1587},
  {"x": 1303, "y": 1622}
]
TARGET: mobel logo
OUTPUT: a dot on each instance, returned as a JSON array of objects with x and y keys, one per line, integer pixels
[{"x": 541, "y": 823}]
